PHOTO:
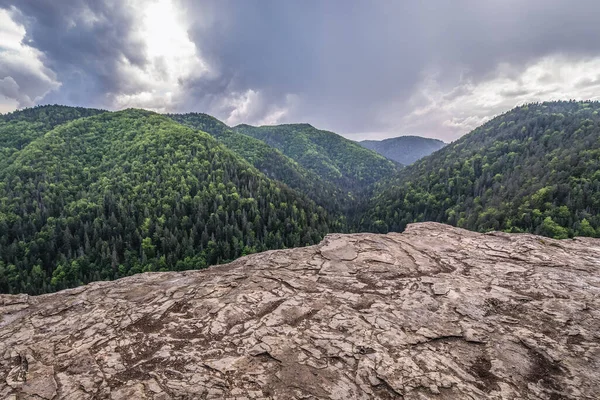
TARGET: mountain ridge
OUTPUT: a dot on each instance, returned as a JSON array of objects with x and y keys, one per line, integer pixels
[
  {"x": 531, "y": 169},
  {"x": 321, "y": 151},
  {"x": 133, "y": 191},
  {"x": 405, "y": 149},
  {"x": 273, "y": 163},
  {"x": 69, "y": 214}
]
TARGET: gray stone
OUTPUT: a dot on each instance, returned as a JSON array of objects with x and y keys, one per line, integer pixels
[{"x": 434, "y": 312}]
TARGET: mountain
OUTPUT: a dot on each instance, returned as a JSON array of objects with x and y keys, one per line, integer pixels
[
  {"x": 273, "y": 163},
  {"x": 337, "y": 160},
  {"x": 533, "y": 169},
  {"x": 94, "y": 195},
  {"x": 404, "y": 149},
  {"x": 19, "y": 128},
  {"x": 119, "y": 193},
  {"x": 433, "y": 313}
]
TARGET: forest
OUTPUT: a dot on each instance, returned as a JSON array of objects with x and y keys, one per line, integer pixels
[
  {"x": 339, "y": 161},
  {"x": 127, "y": 192},
  {"x": 533, "y": 169},
  {"x": 276, "y": 165},
  {"x": 90, "y": 195}
]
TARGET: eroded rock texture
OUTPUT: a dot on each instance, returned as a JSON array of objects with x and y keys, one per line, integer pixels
[{"x": 435, "y": 312}]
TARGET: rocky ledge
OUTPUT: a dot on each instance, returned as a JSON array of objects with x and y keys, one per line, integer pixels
[{"x": 434, "y": 312}]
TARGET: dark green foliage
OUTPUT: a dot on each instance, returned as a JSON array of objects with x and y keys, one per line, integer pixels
[
  {"x": 339, "y": 161},
  {"x": 404, "y": 149},
  {"x": 133, "y": 191},
  {"x": 533, "y": 169},
  {"x": 275, "y": 165}
]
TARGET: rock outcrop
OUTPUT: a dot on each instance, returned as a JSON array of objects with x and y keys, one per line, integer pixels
[{"x": 434, "y": 312}]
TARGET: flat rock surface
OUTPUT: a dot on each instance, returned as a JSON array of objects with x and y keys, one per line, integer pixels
[{"x": 433, "y": 313}]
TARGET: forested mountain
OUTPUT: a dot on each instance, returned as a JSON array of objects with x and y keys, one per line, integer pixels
[
  {"x": 533, "y": 169},
  {"x": 89, "y": 194},
  {"x": 19, "y": 128},
  {"x": 339, "y": 161},
  {"x": 404, "y": 149},
  {"x": 131, "y": 191},
  {"x": 275, "y": 165}
]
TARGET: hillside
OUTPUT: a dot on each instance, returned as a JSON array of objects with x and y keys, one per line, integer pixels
[
  {"x": 404, "y": 149},
  {"x": 133, "y": 191},
  {"x": 337, "y": 160},
  {"x": 433, "y": 313},
  {"x": 533, "y": 169},
  {"x": 19, "y": 128},
  {"x": 273, "y": 163}
]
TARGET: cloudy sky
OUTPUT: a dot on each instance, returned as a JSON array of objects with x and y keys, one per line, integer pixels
[{"x": 365, "y": 69}]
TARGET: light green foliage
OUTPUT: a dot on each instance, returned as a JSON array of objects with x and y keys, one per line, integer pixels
[
  {"x": 339, "y": 161},
  {"x": 274, "y": 164},
  {"x": 20, "y": 128},
  {"x": 88, "y": 195}
]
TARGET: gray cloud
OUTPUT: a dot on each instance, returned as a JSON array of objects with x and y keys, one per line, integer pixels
[
  {"x": 349, "y": 61},
  {"x": 23, "y": 77},
  {"x": 83, "y": 42},
  {"x": 355, "y": 67}
]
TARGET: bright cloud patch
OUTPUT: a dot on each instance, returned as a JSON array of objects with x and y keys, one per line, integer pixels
[
  {"x": 171, "y": 60},
  {"x": 449, "y": 113},
  {"x": 173, "y": 64},
  {"x": 252, "y": 107},
  {"x": 24, "y": 80}
]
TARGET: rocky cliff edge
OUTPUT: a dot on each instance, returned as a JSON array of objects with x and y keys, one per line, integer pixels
[{"x": 435, "y": 312}]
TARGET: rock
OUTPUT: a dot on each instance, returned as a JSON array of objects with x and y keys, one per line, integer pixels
[
  {"x": 338, "y": 248},
  {"x": 434, "y": 312},
  {"x": 440, "y": 289}
]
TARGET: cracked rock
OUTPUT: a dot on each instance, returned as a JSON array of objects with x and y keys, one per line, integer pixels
[{"x": 434, "y": 312}]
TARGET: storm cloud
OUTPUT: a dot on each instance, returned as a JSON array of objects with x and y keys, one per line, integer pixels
[{"x": 362, "y": 69}]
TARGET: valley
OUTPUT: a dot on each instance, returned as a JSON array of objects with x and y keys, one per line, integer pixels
[{"x": 92, "y": 195}]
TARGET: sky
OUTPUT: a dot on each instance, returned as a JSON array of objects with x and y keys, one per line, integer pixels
[{"x": 363, "y": 69}]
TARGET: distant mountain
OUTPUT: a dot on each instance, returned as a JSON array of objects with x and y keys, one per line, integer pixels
[
  {"x": 533, "y": 169},
  {"x": 335, "y": 159},
  {"x": 132, "y": 191},
  {"x": 404, "y": 149}
]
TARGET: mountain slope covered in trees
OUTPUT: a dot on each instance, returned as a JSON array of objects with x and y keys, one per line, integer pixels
[
  {"x": 533, "y": 169},
  {"x": 273, "y": 163},
  {"x": 132, "y": 191},
  {"x": 404, "y": 149},
  {"x": 89, "y": 194},
  {"x": 20, "y": 128},
  {"x": 339, "y": 161}
]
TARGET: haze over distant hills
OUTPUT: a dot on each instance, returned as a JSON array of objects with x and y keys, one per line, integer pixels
[{"x": 404, "y": 149}]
